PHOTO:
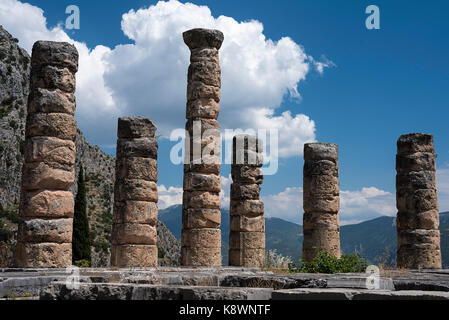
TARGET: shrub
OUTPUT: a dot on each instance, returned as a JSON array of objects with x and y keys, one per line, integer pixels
[
  {"x": 326, "y": 263},
  {"x": 82, "y": 263},
  {"x": 275, "y": 260}
]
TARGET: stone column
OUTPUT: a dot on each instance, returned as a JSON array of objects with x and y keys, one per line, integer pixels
[
  {"x": 201, "y": 217},
  {"x": 134, "y": 234},
  {"x": 417, "y": 219},
  {"x": 247, "y": 227},
  {"x": 46, "y": 207},
  {"x": 321, "y": 200}
]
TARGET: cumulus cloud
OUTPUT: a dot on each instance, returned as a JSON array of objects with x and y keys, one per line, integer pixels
[
  {"x": 148, "y": 77},
  {"x": 443, "y": 188},
  {"x": 169, "y": 196},
  {"x": 355, "y": 206}
]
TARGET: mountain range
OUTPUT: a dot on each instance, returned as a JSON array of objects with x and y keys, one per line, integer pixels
[{"x": 375, "y": 239}]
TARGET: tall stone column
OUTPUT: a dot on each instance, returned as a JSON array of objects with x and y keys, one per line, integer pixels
[
  {"x": 134, "y": 234},
  {"x": 201, "y": 217},
  {"x": 417, "y": 219},
  {"x": 321, "y": 200},
  {"x": 247, "y": 227},
  {"x": 47, "y": 206}
]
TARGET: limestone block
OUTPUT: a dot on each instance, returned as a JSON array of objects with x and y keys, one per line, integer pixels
[
  {"x": 135, "y": 127},
  {"x": 206, "y": 72},
  {"x": 320, "y": 151},
  {"x": 201, "y": 218},
  {"x": 135, "y": 212},
  {"x": 321, "y": 184},
  {"x": 61, "y": 54},
  {"x": 201, "y": 200},
  {"x": 47, "y": 204},
  {"x": 40, "y": 230},
  {"x": 247, "y": 240},
  {"x": 56, "y": 153},
  {"x": 43, "y": 255},
  {"x": 427, "y": 220},
  {"x": 247, "y": 257},
  {"x": 250, "y": 208},
  {"x": 51, "y": 77},
  {"x": 203, "y": 238},
  {"x": 320, "y": 167},
  {"x": 202, "y": 182},
  {"x": 139, "y": 190},
  {"x": 245, "y": 191},
  {"x": 137, "y": 168},
  {"x": 246, "y": 175},
  {"x": 416, "y": 201},
  {"x": 198, "y": 256},
  {"x": 421, "y": 161},
  {"x": 51, "y": 101},
  {"x": 321, "y": 221},
  {"x": 38, "y": 175},
  {"x": 134, "y": 233},
  {"x": 202, "y": 108},
  {"x": 58, "y": 125},
  {"x": 321, "y": 203},
  {"x": 204, "y": 54},
  {"x": 416, "y": 180},
  {"x": 212, "y": 168},
  {"x": 419, "y": 256},
  {"x": 247, "y": 223},
  {"x": 198, "y": 90},
  {"x": 203, "y": 38},
  {"x": 134, "y": 256},
  {"x": 416, "y": 236},
  {"x": 141, "y": 147},
  {"x": 415, "y": 142}
]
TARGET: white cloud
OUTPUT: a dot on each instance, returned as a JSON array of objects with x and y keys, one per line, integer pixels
[
  {"x": 225, "y": 191},
  {"x": 169, "y": 196},
  {"x": 148, "y": 77},
  {"x": 443, "y": 188},
  {"x": 355, "y": 206}
]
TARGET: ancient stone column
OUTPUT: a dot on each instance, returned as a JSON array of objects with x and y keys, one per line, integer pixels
[
  {"x": 247, "y": 227},
  {"x": 201, "y": 218},
  {"x": 321, "y": 200},
  {"x": 134, "y": 234},
  {"x": 47, "y": 206},
  {"x": 417, "y": 219}
]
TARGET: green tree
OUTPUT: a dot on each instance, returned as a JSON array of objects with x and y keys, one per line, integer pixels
[{"x": 81, "y": 239}]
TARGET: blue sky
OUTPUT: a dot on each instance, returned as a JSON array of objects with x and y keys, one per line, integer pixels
[{"x": 381, "y": 84}]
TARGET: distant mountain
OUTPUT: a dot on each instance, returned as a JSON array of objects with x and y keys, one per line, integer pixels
[{"x": 375, "y": 239}]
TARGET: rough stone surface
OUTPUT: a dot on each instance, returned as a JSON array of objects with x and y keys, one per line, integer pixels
[
  {"x": 321, "y": 200},
  {"x": 134, "y": 233},
  {"x": 45, "y": 231},
  {"x": 417, "y": 219},
  {"x": 247, "y": 225}
]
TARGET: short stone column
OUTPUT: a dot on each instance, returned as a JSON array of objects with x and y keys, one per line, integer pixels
[
  {"x": 247, "y": 227},
  {"x": 47, "y": 206},
  {"x": 417, "y": 219},
  {"x": 201, "y": 217},
  {"x": 134, "y": 234},
  {"x": 321, "y": 200}
]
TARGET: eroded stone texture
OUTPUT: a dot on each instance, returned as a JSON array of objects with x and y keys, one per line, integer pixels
[
  {"x": 134, "y": 234},
  {"x": 321, "y": 200},
  {"x": 46, "y": 206},
  {"x": 201, "y": 217},
  {"x": 247, "y": 225},
  {"x": 417, "y": 219}
]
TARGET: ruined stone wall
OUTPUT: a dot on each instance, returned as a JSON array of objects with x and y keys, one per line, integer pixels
[
  {"x": 247, "y": 227},
  {"x": 134, "y": 234},
  {"x": 47, "y": 205},
  {"x": 321, "y": 200},
  {"x": 417, "y": 219},
  {"x": 201, "y": 217}
]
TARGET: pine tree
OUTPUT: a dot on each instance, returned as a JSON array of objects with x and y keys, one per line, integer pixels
[{"x": 81, "y": 233}]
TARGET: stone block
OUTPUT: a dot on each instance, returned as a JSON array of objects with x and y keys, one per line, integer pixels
[
  {"x": 135, "y": 212},
  {"x": 201, "y": 218},
  {"x": 38, "y": 175},
  {"x": 201, "y": 200},
  {"x": 56, "y": 153},
  {"x": 427, "y": 220},
  {"x": 203, "y": 238},
  {"x": 245, "y": 191},
  {"x": 51, "y": 77},
  {"x": 137, "y": 168},
  {"x": 247, "y": 223},
  {"x": 43, "y": 255},
  {"x": 202, "y": 108},
  {"x": 247, "y": 240},
  {"x": 140, "y": 147},
  {"x": 206, "y": 72},
  {"x": 134, "y": 233},
  {"x": 61, "y": 54},
  {"x": 58, "y": 125},
  {"x": 51, "y": 101},
  {"x": 202, "y": 182},
  {"x": 250, "y": 208},
  {"x": 246, "y": 175},
  {"x": 321, "y": 184},
  {"x": 47, "y": 204},
  {"x": 198, "y": 90},
  {"x": 135, "y": 127},
  {"x": 203, "y": 38},
  {"x": 198, "y": 256},
  {"x": 247, "y": 257},
  {"x": 321, "y": 203},
  {"x": 320, "y": 151},
  {"x": 134, "y": 256},
  {"x": 416, "y": 201},
  {"x": 138, "y": 190},
  {"x": 320, "y": 167},
  {"x": 40, "y": 230},
  {"x": 421, "y": 161},
  {"x": 415, "y": 142}
]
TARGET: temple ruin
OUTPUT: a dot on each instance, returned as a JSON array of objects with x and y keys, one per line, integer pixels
[
  {"x": 321, "y": 200},
  {"x": 417, "y": 219},
  {"x": 201, "y": 217},
  {"x": 247, "y": 227},
  {"x": 134, "y": 234},
  {"x": 47, "y": 206}
]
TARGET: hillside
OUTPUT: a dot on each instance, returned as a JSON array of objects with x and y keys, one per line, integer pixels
[{"x": 99, "y": 166}]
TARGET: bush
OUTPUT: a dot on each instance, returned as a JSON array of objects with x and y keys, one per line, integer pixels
[
  {"x": 326, "y": 263},
  {"x": 275, "y": 260},
  {"x": 82, "y": 263}
]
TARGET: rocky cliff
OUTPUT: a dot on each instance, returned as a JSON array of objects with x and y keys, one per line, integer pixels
[{"x": 99, "y": 166}]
